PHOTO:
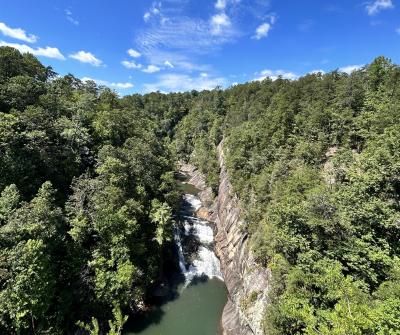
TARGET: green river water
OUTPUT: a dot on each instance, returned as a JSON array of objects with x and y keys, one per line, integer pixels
[
  {"x": 192, "y": 309},
  {"x": 196, "y": 311}
]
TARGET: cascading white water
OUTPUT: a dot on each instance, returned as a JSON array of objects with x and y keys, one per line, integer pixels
[
  {"x": 177, "y": 238},
  {"x": 204, "y": 262}
]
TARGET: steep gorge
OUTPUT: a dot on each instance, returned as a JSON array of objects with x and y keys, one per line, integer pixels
[{"x": 247, "y": 282}]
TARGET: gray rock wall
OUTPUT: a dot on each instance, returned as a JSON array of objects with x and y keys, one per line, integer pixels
[{"x": 247, "y": 282}]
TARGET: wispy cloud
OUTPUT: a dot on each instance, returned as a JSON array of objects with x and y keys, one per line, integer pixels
[
  {"x": 151, "y": 69},
  {"x": 185, "y": 35},
  {"x": 174, "y": 36},
  {"x": 109, "y": 84},
  {"x": 275, "y": 74},
  {"x": 172, "y": 39},
  {"x": 168, "y": 64},
  {"x": 123, "y": 86},
  {"x": 398, "y": 30},
  {"x": 17, "y": 33},
  {"x": 131, "y": 64},
  {"x": 48, "y": 52},
  {"x": 223, "y": 4},
  {"x": 70, "y": 18},
  {"x": 184, "y": 82},
  {"x": 86, "y": 57},
  {"x": 350, "y": 68},
  {"x": 219, "y": 23},
  {"x": 376, "y": 6},
  {"x": 155, "y": 10},
  {"x": 220, "y": 4}
]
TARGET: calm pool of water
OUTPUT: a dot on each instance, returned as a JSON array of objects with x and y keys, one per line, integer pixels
[
  {"x": 184, "y": 186},
  {"x": 196, "y": 311}
]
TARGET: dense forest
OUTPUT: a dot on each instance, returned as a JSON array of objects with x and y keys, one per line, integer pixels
[
  {"x": 316, "y": 165},
  {"x": 88, "y": 195}
]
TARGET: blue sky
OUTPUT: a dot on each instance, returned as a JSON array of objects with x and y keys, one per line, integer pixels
[{"x": 178, "y": 45}]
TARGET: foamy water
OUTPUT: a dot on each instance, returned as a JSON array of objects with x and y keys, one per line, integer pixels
[{"x": 204, "y": 262}]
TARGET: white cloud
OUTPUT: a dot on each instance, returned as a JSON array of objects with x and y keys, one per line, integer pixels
[
  {"x": 183, "y": 83},
  {"x": 264, "y": 28},
  {"x": 262, "y": 31},
  {"x": 151, "y": 69},
  {"x": 17, "y": 33},
  {"x": 220, "y": 4},
  {"x": 168, "y": 64},
  {"x": 70, "y": 18},
  {"x": 378, "y": 5},
  {"x": 86, "y": 57},
  {"x": 146, "y": 16},
  {"x": 223, "y": 4},
  {"x": 48, "y": 52},
  {"x": 274, "y": 75},
  {"x": 317, "y": 72},
  {"x": 131, "y": 64},
  {"x": 122, "y": 86},
  {"x": 219, "y": 22},
  {"x": 133, "y": 53},
  {"x": 350, "y": 68}
]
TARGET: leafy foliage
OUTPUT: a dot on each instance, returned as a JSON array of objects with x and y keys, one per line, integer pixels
[
  {"x": 86, "y": 205},
  {"x": 88, "y": 194},
  {"x": 315, "y": 163}
]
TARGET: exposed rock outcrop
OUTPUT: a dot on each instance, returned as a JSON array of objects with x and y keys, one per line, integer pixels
[{"x": 247, "y": 282}]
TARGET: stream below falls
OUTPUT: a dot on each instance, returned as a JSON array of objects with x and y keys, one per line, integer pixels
[{"x": 200, "y": 295}]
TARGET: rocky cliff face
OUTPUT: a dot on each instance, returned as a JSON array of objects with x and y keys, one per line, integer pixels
[{"x": 247, "y": 282}]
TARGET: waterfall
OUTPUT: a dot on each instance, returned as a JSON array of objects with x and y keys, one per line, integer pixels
[
  {"x": 177, "y": 238},
  {"x": 202, "y": 262}
]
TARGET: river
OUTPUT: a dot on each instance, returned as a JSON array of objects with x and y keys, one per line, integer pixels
[{"x": 199, "y": 297}]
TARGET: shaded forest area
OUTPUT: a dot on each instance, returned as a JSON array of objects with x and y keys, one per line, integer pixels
[{"x": 88, "y": 194}]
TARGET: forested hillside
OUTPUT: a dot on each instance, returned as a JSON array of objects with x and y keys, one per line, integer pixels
[
  {"x": 88, "y": 193},
  {"x": 316, "y": 165}
]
